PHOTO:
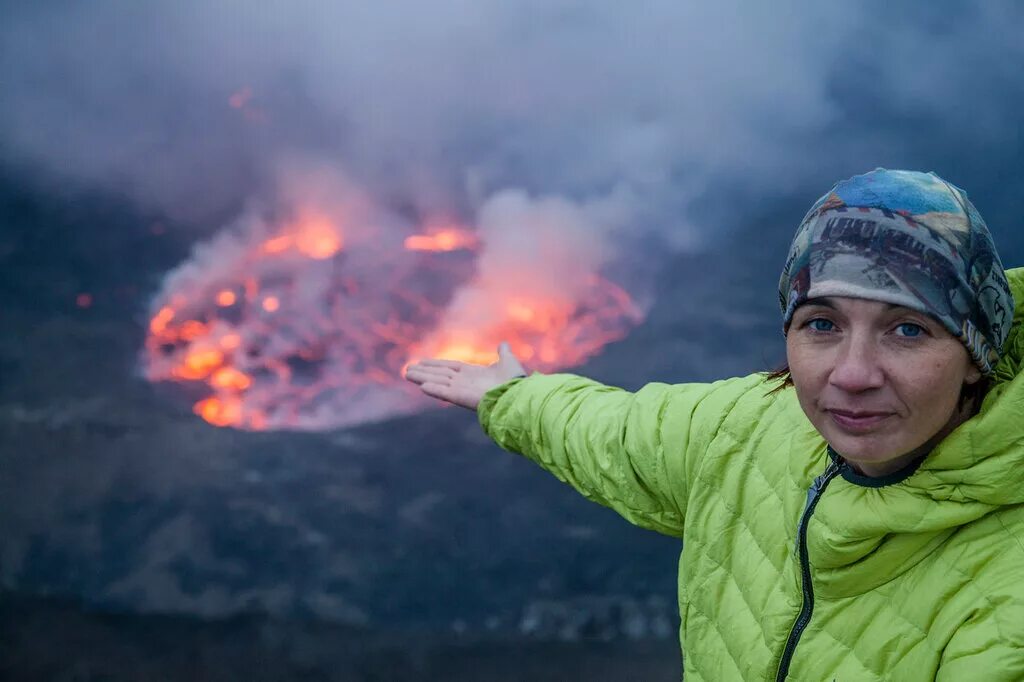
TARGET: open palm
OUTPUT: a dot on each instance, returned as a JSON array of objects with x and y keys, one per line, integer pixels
[{"x": 461, "y": 383}]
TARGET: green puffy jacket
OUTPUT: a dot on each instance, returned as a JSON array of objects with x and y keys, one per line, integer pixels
[{"x": 794, "y": 566}]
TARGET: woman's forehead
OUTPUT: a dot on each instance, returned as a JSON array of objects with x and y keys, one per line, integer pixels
[{"x": 853, "y": 304}]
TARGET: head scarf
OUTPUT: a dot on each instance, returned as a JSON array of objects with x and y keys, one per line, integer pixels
[{"x": 907, "y": 238}]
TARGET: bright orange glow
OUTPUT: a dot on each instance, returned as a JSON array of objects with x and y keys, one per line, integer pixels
[
  {"x": 159, "y": 322},
  {"x": 520, "y": 311},
  {"x": 219, "y": 411},
  {"x": 314, "y": 236},
  {"x": 200, "y": 363},
  {"x": 191, "y": 330},
  {"x": 448, "y": 239},
  {"x": 467, "y": 352},
  {"x": 276, "y": 331},
  {"x": 278, "y": 244},
  {"x": 229, "y": 377},
  {"x": 318, "y": 238},
  {"x": 545, "y": 332}
]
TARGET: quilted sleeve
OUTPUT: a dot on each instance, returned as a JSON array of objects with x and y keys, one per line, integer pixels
[
  {"x": 632, "y": 452},
  {"x": 989, "y": 647}
]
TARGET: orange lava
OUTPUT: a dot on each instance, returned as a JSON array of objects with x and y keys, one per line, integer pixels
[
  {"x": 547, "y": 334},
  {"x": 318, "y": 238},
  {"x": 280, "y": 333},
  {"x": 278, "y": 244},
  {"x": 314, "y": 236},
  {"x": 191, "y": 330},
  {"x": 466, "y": 352},
  {"x": 230, "y": 378},
  {"x": 448, "y": 239},
  {"x": 158, "y": 324},
  {"x": 220, "y": 412},
  {"x": 199, "y": 364}
]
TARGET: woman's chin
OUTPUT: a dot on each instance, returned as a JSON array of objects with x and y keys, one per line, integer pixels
[
  {"x": 870, "y": 450},
  {"x": 873, "y": 456}
]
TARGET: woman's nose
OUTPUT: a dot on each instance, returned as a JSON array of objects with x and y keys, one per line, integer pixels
[{"x": 857, "y": 367}]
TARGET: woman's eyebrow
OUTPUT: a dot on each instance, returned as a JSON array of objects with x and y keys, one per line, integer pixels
[
  {"x": 829, "y": 303},
  {"x": 823, "y": 302}
]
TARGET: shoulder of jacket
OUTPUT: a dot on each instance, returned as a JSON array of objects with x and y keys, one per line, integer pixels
[
  {"x": 988, "y": 555},
  {"x": 737, "y": 406}
]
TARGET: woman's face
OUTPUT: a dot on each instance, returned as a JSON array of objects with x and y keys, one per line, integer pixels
[{"x": 879, "y": 382}]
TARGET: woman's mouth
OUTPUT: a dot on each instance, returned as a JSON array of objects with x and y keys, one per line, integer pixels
[{"x": 858, "y": 422}]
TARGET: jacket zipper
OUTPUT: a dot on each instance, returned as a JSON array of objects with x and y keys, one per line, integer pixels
[{"x": 804, "y": 616}]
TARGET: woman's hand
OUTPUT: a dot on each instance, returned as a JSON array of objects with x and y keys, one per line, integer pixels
[{"x": 463, "y": 384}]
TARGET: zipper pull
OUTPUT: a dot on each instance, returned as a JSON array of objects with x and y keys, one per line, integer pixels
[
  {"x": 830, "y": 472},
  {"x": 813, "y": 493}
]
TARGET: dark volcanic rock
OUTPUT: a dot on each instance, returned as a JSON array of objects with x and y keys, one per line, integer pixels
[{"x": 53, "y": 640}]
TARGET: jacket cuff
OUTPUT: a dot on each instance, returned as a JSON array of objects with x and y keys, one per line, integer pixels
[{"x": 485, "y": 409}]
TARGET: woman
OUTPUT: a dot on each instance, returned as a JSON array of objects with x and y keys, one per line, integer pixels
[{"x": 857, "y": 516}]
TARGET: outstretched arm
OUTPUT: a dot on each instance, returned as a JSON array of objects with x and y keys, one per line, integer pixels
[
  {"x": 637, "y": 453},
  {"x": 628, "y": 451}
]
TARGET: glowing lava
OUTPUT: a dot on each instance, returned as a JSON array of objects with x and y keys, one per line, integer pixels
[
  {"x": 546, "y": 333},
  {"x": 446, "y": 239},
  {"x": 306, "y": 322}
]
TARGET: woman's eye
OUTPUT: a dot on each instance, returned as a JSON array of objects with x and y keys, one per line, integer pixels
[
  {"x": 909, "y": 329},
  {"x": 819, "y": 324}
]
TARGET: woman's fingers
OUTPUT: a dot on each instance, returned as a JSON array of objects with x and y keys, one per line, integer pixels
[
  {"x": 419, "y": 372},
  {"x": 462, "y": 383},
  {"x": 418, "y": 375},
  {"x": 438, "y": 362},
  {"x": 438, "y": 390},
  {"x": 430, "y": 371},
  {"x": 456, "y": 394}
]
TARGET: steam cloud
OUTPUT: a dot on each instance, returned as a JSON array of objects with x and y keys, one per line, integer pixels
[
  {"x": 439, "y": 106},
  {"x": 587, "y": 127}
]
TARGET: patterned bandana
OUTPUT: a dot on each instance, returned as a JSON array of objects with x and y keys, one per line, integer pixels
[{"x": 906, "y": 238}]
